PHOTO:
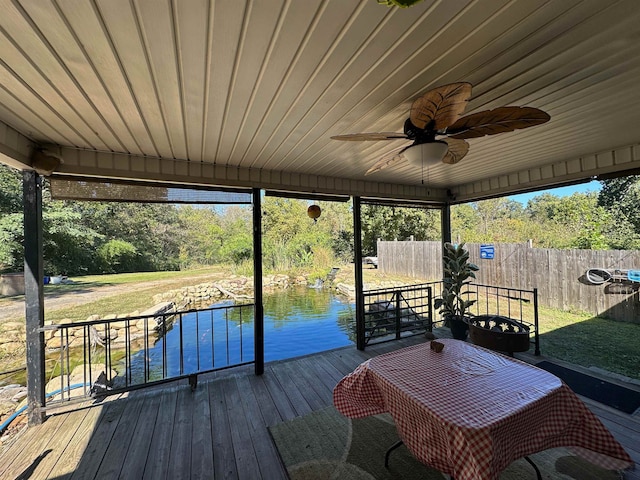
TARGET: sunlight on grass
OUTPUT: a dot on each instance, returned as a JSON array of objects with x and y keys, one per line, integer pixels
[
  {"x": 136, "y": 277},
  {"x": 591, "y": 341}
]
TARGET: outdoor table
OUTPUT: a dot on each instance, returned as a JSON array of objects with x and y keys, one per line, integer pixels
[{"x": 470, "y": 412}]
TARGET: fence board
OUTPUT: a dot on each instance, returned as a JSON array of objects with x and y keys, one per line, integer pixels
[{"x": 559, "y": 275}]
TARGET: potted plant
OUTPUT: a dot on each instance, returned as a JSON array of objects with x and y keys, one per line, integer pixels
[{"x": 454, "y": 304}]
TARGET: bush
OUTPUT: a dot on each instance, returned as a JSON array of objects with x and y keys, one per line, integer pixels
[
  {"x": 238, "y": 249},
  {"x": 118, "y": 256}
]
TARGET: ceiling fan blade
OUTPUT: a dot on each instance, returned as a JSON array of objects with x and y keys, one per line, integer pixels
[
  {"x": 441, "y": 106},
  {"x": 387, "y": 160},
  {"x": 359, "y": 137},
  {"x": 457, "y": 150},
  {"x": 498, "y": 120}
]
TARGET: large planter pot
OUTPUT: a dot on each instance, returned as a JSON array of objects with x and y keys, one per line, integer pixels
[
  {"x": 499, "y": 333},
  {"x": 459, "y": 328}
]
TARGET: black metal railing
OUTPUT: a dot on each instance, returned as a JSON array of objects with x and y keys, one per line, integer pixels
[
  {"x": 393, "y": 313},
  {"x": 515, "y": 303},
  {"x": 120, "y": 354}
]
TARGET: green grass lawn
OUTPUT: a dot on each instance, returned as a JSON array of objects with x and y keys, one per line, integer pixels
[{"x": 591, "y": 341}]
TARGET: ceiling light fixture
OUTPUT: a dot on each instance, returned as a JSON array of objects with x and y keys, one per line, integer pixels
[{"x": 426, "y": 154}]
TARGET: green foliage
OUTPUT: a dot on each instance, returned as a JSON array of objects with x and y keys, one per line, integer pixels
[
  {"x": 202, "y": 228},
  {"x": 11, "y": 238},
  {"x": 10, "y": 190},
  {"x": 621, "y": 197},
  {"x": 575, "y": 221},
  {"x": 118, "y": 256},
  {"x": 458, "y": 272},
  {"x": 397, "y": 223},
  {"x": 291, "y": 240},
  {"x": 98, "y": 237},
  {"x": 238, "y": 248}
]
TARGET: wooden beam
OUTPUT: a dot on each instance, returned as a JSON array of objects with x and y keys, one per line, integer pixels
[{"x": 34, "y": 295}]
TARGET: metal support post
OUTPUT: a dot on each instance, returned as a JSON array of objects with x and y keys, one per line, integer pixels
[
  {"x": 34, "y": 295},
  {"x": 357, "y": 247},
  {"x": 258, "y": 314}
]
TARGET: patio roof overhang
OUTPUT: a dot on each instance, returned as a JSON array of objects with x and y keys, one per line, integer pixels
[{"x": 248, "y": 93}]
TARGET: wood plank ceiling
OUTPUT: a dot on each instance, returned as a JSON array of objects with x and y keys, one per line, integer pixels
[{"x": 248, "y": 92}]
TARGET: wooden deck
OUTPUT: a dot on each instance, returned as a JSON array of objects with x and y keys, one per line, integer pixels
[{"x": 219, "y": 431}]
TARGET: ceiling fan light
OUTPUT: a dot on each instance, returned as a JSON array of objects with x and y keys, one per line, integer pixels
[{"x": 426, "y": 153}]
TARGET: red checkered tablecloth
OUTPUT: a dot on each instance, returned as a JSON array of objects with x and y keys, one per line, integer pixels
[{"x": 469, "y": 412}]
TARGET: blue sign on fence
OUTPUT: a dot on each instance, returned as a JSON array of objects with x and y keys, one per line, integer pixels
[{"x": 487, "y": 251}]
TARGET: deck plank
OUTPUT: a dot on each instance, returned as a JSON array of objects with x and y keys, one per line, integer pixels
[
  {"x": 318, "y": 380},
  {"x": 59, "y": 443},
  {"x": 202, "y": 448},
  {"x": 100, "y": 440},
  {"x": 68, "y": 462},
  {"x": 44, "y": 454},
  {"x": 224, "y": 464},
  {"x": 179, "y": 466},
  {"x": 132, "y": 467},
  {"x": 266, "y": 452},
  {"x": 268, "y": 407},
  {"x": 331, "y": 371},
  {"x": 158, "y": 458},
  {"x": 279, "y": 395},
  {"x": 296, "y": 397},
  {"x": 298, "y": 377},
  {"x": 243, "y": 448},
  {"x": 28, "y": 448}
]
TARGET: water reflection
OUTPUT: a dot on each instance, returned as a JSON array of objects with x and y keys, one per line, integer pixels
[{"x": 298, "y": 321}]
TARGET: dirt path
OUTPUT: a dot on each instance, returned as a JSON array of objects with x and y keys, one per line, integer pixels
[{"x": 11, "y": 308}]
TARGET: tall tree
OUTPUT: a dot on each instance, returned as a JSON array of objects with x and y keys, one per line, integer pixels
[
  {"x": 621, "y": 197},
  {"x": 397, "y": 223}
]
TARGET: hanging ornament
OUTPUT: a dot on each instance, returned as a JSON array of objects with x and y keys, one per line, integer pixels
[{"x": 314, "y": 212}]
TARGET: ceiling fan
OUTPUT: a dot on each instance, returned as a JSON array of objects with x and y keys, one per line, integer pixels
[{"x": 437, "y": 113}]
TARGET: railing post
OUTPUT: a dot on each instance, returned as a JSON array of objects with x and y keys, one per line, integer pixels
[
  {"x": 535, "y": 321},
  {"x": 34, "y": 295},
  {"x": 258, "y": 312},
  {"x": 357, "y": 248},
  {"x": 398, "y": 296},
  {"x": 430, "y": 308}
]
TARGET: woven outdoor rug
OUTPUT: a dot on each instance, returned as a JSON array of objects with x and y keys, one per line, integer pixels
[{"x": 325, "y": 445}]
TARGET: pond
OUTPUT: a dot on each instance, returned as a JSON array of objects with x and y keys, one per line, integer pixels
[{"x": 297, "y": 321}]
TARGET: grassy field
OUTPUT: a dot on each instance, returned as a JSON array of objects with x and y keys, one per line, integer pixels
[{"x": 573, "y": 337}]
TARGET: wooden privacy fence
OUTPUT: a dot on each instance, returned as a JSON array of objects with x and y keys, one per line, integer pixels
[{"x": 559, "y": 275}]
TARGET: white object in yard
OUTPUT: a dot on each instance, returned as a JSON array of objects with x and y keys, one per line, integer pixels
[{"x": 370, "y": 261}]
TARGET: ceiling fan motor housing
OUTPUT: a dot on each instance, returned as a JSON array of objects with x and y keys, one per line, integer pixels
[{"x": 418, "y": 135}]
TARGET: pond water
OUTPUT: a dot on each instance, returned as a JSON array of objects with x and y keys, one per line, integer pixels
[{"x": 297, "y": 321}]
